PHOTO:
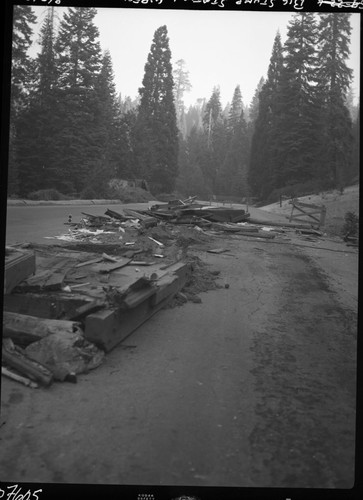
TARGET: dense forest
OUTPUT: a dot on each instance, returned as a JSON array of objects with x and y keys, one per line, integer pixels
[{"x": 71, "y": 132}]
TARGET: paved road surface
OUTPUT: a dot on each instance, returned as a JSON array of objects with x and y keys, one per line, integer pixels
[{"x": 253, "y": 387}]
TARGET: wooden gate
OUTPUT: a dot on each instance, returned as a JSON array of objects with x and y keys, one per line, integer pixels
[{"x": 308, "y": 212}]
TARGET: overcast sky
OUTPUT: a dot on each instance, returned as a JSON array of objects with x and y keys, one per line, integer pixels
[{"x": 224, "y": 48}]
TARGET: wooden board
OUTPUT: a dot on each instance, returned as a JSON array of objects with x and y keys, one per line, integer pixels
[
  {"x": 27, "y": 367},
  {"x": 107, "y": 328},
  {"x": 279, "y": 224},
  {"x": 44, "y": 280},
  {"x": 108, "y": 268},
  {"x": 24, "y": 329},
  {"x": 53, "y": 305},
  {"x": 18, "y": 267}
]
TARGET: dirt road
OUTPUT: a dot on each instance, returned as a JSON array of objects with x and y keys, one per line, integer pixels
[{"x": 253, "y": 387}]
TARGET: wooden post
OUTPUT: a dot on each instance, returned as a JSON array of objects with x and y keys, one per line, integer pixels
[{"x": 323, "y": 215}]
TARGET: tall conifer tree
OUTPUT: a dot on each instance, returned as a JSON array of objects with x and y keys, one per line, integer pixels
[
  {"x": 181, "y": 85},
  {"x": 236, "y": 108},
  {"x": 22, "y": 73},
  {"x": 261, "y": 175},
  {"x": 78, "y": 144},
  {"x": 216, "y": 136},
  {"x": 297, "y": 138},
  {"x": 37, "y": 156},
  {"x": 156, "y": 128},
  {"x": 334, "y": 80}
]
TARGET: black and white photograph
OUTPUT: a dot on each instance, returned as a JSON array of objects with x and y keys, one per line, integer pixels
[{"x": 181, "y": 243}]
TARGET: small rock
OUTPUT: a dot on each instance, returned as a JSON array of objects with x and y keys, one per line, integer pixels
[{"x": 226, "y": 285}]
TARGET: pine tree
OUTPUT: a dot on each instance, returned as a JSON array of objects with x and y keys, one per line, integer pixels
[
  {"x": 21, "y": 74},
  {"x": 261, "y": 175},
  {"x": 212, "y": 111},
  {"x": 298, "y": 128},
  {"x": 190, "y": 181},
  {"x": 216, "y": 136},
  {"x": 22, "y": 70},
  {"x": 254, "y": 105},
  {"x": 233, "y": 174},
  {"x": 334, "y": 80},
  {"x": 156, "y": 129},
  {"x": 38, "y": 123},
  {"x": 236, "y": 108},
  {"x": 194, "y": 160},
  {"x": 194, "y": 116},
  {"x": 181, "y": 85},
  {"x": 107, "y": 127},
  {"x": 126, "y": 167},
  {"x": 78, "y": 142}
]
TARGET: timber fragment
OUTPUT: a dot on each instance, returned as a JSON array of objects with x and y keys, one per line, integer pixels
[
  {"x": 24, "y": 329},
  {"x": 18, "y": 378},
  {"x": 19, "y": 265},
  {"x": 65, "y": 354},
  {"x": 107, "y": 268},
  {"x": 27, "y": 367}
]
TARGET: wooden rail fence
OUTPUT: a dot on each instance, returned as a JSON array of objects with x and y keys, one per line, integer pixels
[{"x": 308, "y": 212}]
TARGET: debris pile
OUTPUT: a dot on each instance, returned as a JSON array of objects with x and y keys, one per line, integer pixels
[
  {"x": 190, "y": 212},
  {"x": 66, "y": 305}
]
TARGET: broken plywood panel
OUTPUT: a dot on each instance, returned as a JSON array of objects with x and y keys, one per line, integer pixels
[{"x": 19, "y": 265}]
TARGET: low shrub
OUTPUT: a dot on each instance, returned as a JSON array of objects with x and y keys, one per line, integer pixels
[
  {"x": 117, "y": 190},
  {"x": 88, "y": 193},
  {"x": 47, "y": 195},
  {"x": 351, "y": 223}
]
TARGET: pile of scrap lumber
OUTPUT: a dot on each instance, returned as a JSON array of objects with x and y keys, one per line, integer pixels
[
  {"x": 77, "y": 305},
  {"x": 188, "y": 211}
]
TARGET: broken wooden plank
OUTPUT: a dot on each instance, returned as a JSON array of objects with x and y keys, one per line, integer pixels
[
  {"x": 311, "y": 231},
  {"x": 52, "y": 305},
  {"x": 107, "y": 328},
  {"x": 25, "y": 366},
  {"x": 137, "y": 297},
  {"x": 109, "y": 257},
  {"x": 24, "y": 329},
  {"x": 98, "y": 218},
  {"x": 155, "y": 241},
  {"x": 18, "y": 266},
  {"x": 88, "y": 262},
  {"x": 279, "y": 224},
  {"x": 43, "y": 280},
  {"x": 108, "y": 268},
  {"x": 82, "y": 311},
  {"x": 18, "y": 378},
  {"x": 217, "y": 250},
  {"x": 116, "y": 215},
  {"x": 266, "y": 235},
  {"x": 125, "y": 282},
  {"x": 141, "y": 263}
]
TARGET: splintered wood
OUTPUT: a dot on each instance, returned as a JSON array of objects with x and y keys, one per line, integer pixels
[{"x": 100, "y": 297}]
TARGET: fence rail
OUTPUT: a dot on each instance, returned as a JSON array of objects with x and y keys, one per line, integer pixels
[{"x": 308, "y": 212}]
